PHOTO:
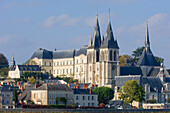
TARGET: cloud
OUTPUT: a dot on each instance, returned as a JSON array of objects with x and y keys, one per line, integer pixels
[{"x": 63, "y": 20}]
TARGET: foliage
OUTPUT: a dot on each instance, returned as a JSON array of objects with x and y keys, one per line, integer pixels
[
  {"x": 151, "y": 101},
  {"x": 73, "y": 104},
  {"x": 4, "y": 72},
  {"x": 31, "y": 80},
  {"x": 123, "y": 59},
  {"x": 132, "y": 91},
  {"x": 137, "y": 53},
  {"x": 61, "y": 99},
  {"x": 105, "y": 94},
  {"x": 159, "y": 60},
  {"x": 15, "y": 96},
  {"x": 3, "y": 61},
  {"x": 169, "y": 100},
  {"x": 34, "y": 74},
  {"x": 30, "y": 62},
  {"x": 20, "y": 79}
]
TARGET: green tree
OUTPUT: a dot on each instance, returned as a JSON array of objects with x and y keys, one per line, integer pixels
[
  {"x": 4, "y": 72},
  {"x": 15, "y": 96},
  {"x": 123, "y": 59},
  {"x": 31, "y": 80},
  {"x": 132, "y": 91},
  {"x": 105, "y": 94},
  {"x": 3, "y": 61},
  {"x": 61, "y": 99},
  {"x": 159, "y": 60},
  {"x": 169, "y": 100},
  {"x": 137, "y": 53}
]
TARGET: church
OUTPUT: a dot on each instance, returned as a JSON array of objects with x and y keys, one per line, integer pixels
[{"x": 96, "y": 63}]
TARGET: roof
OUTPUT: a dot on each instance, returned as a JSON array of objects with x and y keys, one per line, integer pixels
[
  {"x": 83, "y": 91},
  {"x": 29, "y": 68},
  {"x": 42, "y": 54},
  {"x": 130, "y": 70},
  {"x": 109, "y": 41},
  {"x": 53, "y": 87},
  {"x": 64, "y": 54},
  {"x": 8, "y": 88},
  {"x": 80, "y": 51},
  {"x": 120, "y": 80},
  {"x": 147, "y": 58}
]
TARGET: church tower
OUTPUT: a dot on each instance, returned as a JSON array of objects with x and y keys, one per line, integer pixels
[
  {"x": 93, "y": 53},
  {"x": 12, "y": 62},
  {"x": 109, "y": 58}
]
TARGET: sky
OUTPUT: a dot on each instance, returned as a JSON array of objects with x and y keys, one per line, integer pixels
[{"x": 26, "y": 25}]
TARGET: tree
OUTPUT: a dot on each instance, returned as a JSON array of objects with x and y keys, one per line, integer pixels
[
  {"x": 123, "y": 59},
  {"x": 15, "y": 96},
  {"x": 61, "y": 99},
  {"x": 159, "y": 60},
  {"x": 169, "y": 100},
  {"x": 31, "y": 80},
  {"x": 137, "y": 53},
  {"x": 105, "y": 94},
  {"x": 3, "y": 61},
  {"x": 4, "y": 72},
  {"x": 132, "y": 91}
]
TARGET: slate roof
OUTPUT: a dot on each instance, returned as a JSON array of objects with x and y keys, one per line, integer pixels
[
  {"x": 120, "y": 80},
  {"x": 154, "y": 82},
  {"x": 147, "y": 58},
  {"x": 80, "y": 51},
  {"x": 130, "y": 70},
  {"x": 83, "y": 91},
  {"x": 29, "y": 68},
  {"x": 53, "y": 87},
  {"x": 109, "y": 41},
  {"x": 8, "y": 88},
  {"x": 26, "y": 94},
  {"x": 64, "y": 54},
  {"x": 42, "y": 54}
]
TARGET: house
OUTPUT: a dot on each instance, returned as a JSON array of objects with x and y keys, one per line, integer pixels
[
  {"x": 47, "y": 94},
  {"x": 6, "y": 97},
  {"x": 85, "y": 97},
  {"x": 16, "y": 71}
]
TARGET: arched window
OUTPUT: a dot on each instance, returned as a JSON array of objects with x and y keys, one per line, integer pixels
[
  {"x": 115, "y": 56},
  {"x": 110, "y": 55}
]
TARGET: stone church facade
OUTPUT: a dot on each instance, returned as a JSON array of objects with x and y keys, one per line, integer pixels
[{"x": 96, "y": 63}]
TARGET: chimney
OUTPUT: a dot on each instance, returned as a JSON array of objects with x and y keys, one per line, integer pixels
[
  {"x": 43, "y": 83},
  {"x": 90, "y": 90},
  {"x": 76, "y": 85},
  {"x": 9, "y": 88},
  {"x": 0, "y": 83},
  {"x": 85, "y": 86},
  {"x": 36, "y": 86},
  {"x": 17, "y": 83},
  {"x": 57, "y": 83},
  {"x": 68, "y": 84}
]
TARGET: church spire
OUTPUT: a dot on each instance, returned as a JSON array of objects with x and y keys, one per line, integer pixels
[
  {"x": 147, "y": 43},
  {"x": 96, "y": 37},
  {"x": 13, "y": 62}
]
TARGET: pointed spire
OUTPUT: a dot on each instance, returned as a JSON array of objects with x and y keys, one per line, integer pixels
[
  {"x": 13, "y": 62},
  {"x": 147, "y": 43},
  {"x": 109, "y": 14},
  {"x": 90, "y": 42},
  {"x": 96, "y": 37}
]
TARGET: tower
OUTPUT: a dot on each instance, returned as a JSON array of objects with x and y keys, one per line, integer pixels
[
  {"x": 93, "y": 53},
  {"x": 12, "y": 62},
  {"x": 109, "y": 57}
]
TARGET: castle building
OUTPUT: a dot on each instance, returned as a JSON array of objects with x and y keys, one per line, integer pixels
[{"x": 96, "y": 63}]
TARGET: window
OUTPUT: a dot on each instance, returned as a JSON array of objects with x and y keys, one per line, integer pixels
[
  {"x": 43, "y": 95},
  {"x": 63, "y": 63},
  {"x": 83, "y": 97},
  {"x": 153, "y": 96},
  {"x": 8, "y": 95},
  {"x": 115, "y": 56},
  {"x": 70, "y": 71},
  {"x": 58, "y": 94},
  {"x": 39, "y": 95},
  {"x": 92, "y": 97},
  {"x": 110, "y": 55},
  {"x": 77, "y": 98},
  {"x": 77, "y": 61},
  {"x": 90, "y": 68},
  {"x": 70, "y": 62},
  {"x": 77, "y": 104},
  {"x": 92, "y": 104},
  {"x": 82, "y": 61},
  {"x": 34, "y": 95},
  {"x": 67, "y": 95},
  {"x": 82, "y": 69},
  {"x": 83, "y": 104},
  {"x": 88, "y": 97},
  {"x": 88, "y": 104},
  {"x": 77, "y": 69}
]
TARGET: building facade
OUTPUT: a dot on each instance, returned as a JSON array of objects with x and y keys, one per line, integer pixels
[{"x": 96, "y": 63}]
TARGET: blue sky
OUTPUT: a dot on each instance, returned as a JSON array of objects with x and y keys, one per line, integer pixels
[{"x": 26, "y": 25}]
